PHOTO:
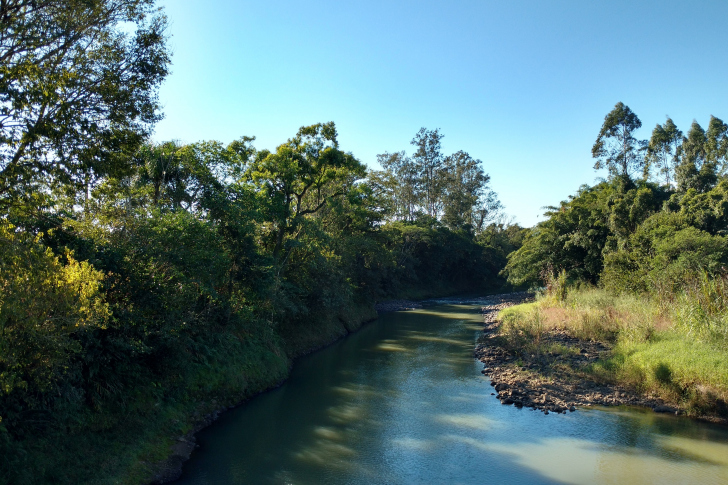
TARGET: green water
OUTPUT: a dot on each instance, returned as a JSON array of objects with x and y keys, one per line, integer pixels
[{"x": 403, "y": 402}]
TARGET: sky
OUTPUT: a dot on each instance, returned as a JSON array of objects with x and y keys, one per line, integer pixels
[{"x": 521, "y": 85}]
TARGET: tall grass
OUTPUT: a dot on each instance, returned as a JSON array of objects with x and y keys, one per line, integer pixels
[{"x": 672, "y": 344}]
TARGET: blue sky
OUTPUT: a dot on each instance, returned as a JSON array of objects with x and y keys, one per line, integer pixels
[{"x": 521, "y": 85}]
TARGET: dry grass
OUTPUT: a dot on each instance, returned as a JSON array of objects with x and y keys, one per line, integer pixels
[{"x": 677, "y": 349}]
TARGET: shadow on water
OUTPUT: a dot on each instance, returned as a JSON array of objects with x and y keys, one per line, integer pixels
[{"x": 403, "y": 401}]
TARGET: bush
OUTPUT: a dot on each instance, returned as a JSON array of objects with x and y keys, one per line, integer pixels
[{"x": 46, "y": 303}]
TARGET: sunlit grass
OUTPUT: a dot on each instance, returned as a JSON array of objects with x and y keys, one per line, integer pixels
[{"x": 677, "y": 349}]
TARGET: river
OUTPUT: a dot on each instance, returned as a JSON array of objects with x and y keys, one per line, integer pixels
[{"x": 403, "y": 401}]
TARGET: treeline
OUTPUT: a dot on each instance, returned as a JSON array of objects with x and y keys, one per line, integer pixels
[
  {"x": 452, "y": 188},
  {"x": 142, "y": 284},
  {"x": 638, "y": 261},
  {"x": 658, "y": 222}
]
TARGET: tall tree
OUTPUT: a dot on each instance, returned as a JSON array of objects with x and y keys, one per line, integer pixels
[
  {"x": 403, "y": 183},
  {"x": 77, "y": 88},
  {"x": 664, "y": 151},
  {"x": 716, "y": 149},
  {"x": 429, "y": 159},
  {"x": 696, "y": 171},
  {"x": 465, "y": 185},
  {"x": 616, "y": 148},
  {"x": 300, "y": 178}
]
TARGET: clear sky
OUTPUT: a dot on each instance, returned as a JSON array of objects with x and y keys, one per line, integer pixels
[{"x": 521, "y": 85}]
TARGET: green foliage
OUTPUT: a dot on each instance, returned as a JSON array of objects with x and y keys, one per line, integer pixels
[
  {"x": 664, "y": 151},
  {"x": 204, "y": 269},
  {"x": 616, "y": 149},
  {"x": 696, "y": 171},
  {"x": 46, "y": 303},
  {"x": 77, "y": 91},
  {"x": 707, "y": 211},
  {"x": 571, "y": 239},
  {"x": 452, "y": 189},
  {"x": 300, "y": 178},
  {"x": 676, "y": 350}
]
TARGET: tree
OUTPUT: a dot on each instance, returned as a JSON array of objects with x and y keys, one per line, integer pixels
[
  {"x": 716, "y": 149},
  {"x": 696, "y": 170},
  {"x": 467, "y": 200},
  {"x": 429, "y": 159},
  {"x": 298, "y": 179},
  {"x": 664, "y": 150},
  {"x": 403, "y": 183},
  {"x": 78, "y": 92},
  {"x": 616, "y": 148}
]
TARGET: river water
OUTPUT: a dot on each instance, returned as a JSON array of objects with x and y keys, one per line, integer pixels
[{"x": 403, "y": 401}]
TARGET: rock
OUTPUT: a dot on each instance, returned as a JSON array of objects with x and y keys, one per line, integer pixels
[
  {"x": 572, "y": 409},
  {"x": 545, "y": 411}
]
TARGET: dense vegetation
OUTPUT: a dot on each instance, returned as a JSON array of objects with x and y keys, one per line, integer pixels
[
  {"x": 145, "y": 284},
  {"x": 640, "y": 260}
]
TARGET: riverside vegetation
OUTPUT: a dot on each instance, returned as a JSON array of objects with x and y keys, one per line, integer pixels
[
  {"x": 146, "y": 285},
  {"x": 639, "y": 266}
]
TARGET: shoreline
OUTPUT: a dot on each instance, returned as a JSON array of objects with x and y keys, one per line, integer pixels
[
  {"x": 555, "y": 383},
  {"x": 170, "y": 469}
]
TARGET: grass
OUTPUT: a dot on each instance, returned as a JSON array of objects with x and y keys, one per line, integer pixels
[{"x": 672, "y": 346}]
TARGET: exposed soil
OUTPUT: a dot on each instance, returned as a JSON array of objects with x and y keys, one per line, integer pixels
[{"x": 550, "y": 382}]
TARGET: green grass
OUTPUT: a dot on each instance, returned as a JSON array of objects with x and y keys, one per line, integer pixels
[
  {"x": 681, "y": 369},
  {"x": 676, "y": 349}
]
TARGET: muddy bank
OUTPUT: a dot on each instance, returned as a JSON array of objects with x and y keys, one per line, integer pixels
[{"x": 549, "y": 382}]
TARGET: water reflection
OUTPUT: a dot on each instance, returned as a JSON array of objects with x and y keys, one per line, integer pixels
[
  {"x": 403, "y": 401},
  {"x": 580, "y": 461}
]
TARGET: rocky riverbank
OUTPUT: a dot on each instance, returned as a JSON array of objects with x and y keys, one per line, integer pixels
[{"x": 550, "y": 382}]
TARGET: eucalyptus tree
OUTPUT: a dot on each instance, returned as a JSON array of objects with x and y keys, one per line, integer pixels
[
  {"x": 716, "y": 149},
  {"x": 429, "y": 159},
  {"x": 616, "y": 148},
  {"x": 465, "y": 193},
  {"x": 487, "y": 208},
  {"x": 696, "y": 170},
  {"x": 78, "y": 88},
  {"x": 402, "y": 182},
  {"x": 664, "y": 151}
]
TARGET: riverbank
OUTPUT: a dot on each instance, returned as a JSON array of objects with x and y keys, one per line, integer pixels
[
  {"x": 542, "y": 355},
  {"x": 317, "y": 335}
]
